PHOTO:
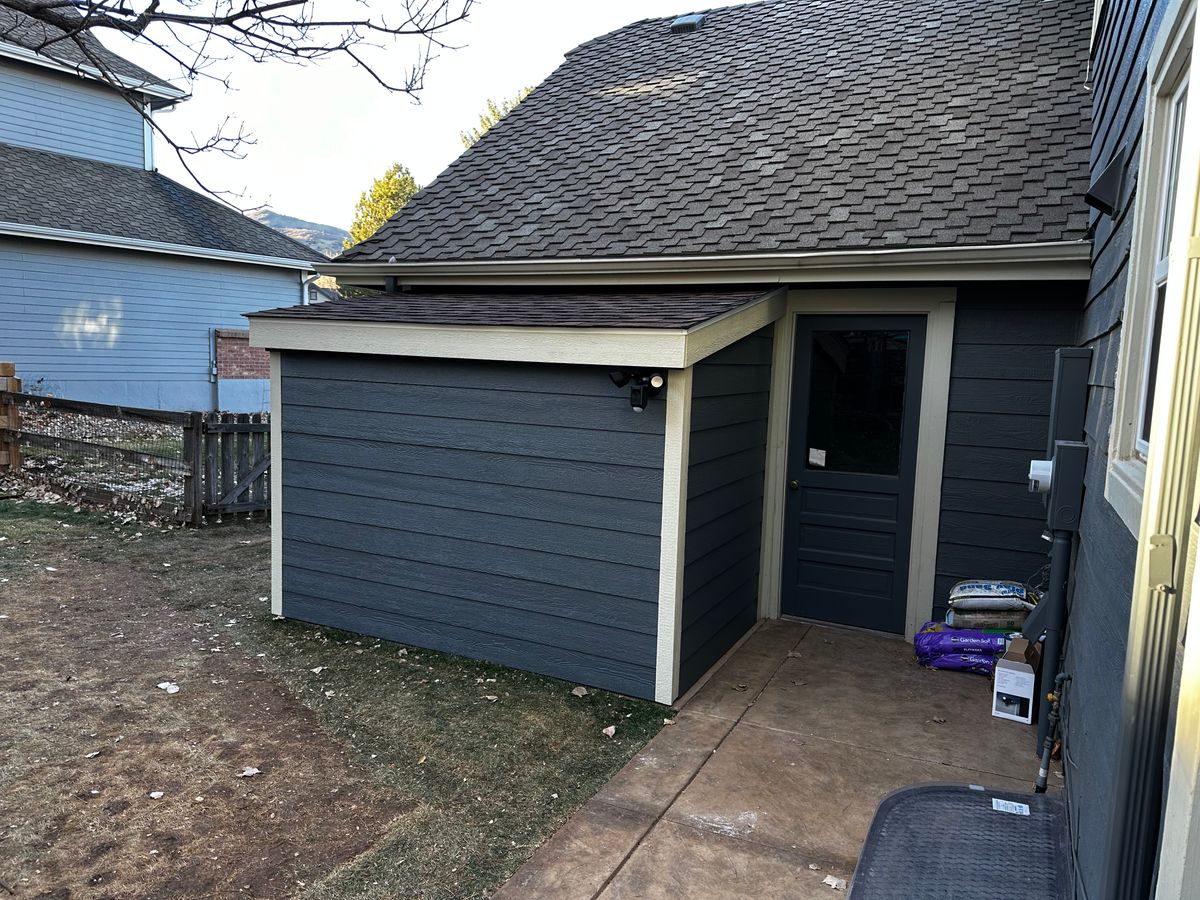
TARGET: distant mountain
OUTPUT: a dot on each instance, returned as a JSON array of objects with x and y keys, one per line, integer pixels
[{"x": 323, "y": 238}]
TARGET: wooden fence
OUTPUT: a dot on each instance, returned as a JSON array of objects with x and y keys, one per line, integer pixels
[
  {"x": 187, "y": 465},
  {"x": 229, "y": 458}
]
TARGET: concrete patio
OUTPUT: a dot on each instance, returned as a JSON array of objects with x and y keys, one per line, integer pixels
[{"x": 768, "y": 779}]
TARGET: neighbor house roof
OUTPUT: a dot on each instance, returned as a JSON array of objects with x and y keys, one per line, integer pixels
[
  {"x": 65, "y": 197},
  {"x": 576, "y": 309},
  {"x": 780, "y": 126},
  {"x": 52, "y": 44}
]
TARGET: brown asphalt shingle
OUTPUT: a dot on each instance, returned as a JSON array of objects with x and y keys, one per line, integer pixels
[
  {"x": 786, "y": 125},
  {"x": 661, "y": 309}
]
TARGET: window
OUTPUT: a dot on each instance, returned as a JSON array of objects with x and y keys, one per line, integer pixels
[{"x": 1146, "y": 292}]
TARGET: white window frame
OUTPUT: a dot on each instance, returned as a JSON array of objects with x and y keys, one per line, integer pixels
[{"x": 1152, "y": 244}]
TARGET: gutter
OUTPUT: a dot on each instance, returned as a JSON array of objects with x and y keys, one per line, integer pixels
[
  {"x": 24, "y": 54},
  {"x": 15, "y": 229},
  {"x": 1062, "y": 260}
]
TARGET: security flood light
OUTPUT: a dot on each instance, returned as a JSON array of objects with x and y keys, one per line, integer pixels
[{"x": 643, "y": 386}]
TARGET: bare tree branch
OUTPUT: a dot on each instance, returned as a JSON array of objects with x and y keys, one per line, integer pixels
[{"x": 196, "y": 37}]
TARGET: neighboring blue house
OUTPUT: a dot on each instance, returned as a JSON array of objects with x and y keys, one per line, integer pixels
[{"x": 115, "y": 280}]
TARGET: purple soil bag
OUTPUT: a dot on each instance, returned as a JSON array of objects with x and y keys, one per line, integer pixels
[
  {"x": 937, "y": 639},
  {"x": 962, "y": 662}
]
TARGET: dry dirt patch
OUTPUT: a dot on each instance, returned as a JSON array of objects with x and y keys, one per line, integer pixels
[{"x": 383, "y": 771}]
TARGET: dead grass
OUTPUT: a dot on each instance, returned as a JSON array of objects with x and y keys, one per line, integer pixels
[{"x": 388, "y": 773}]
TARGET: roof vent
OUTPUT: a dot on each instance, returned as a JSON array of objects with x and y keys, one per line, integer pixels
[{"x": 685, "y": 24}]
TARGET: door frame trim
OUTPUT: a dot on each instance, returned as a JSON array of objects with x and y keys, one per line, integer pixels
[{"x": 937, "y": 305}]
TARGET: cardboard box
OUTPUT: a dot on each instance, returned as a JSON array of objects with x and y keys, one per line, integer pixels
[{"x": 1015, "y": 685}]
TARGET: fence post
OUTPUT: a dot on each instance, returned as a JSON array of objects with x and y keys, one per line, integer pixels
[
  {"x": 10, "y": 419},
  {"x": 193, "y": 482}
]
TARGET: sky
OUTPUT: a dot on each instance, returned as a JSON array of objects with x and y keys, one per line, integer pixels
[{"x": 325, "y": 131}]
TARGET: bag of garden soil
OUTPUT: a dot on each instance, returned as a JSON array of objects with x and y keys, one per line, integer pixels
[{"x": 936, "y": 639}]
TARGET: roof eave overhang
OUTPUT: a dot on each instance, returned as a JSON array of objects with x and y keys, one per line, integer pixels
[
  {"x": 24, "y": 54},
  {"x": 1056, "y": 261},
  {"x": 117, "y": 242},
  {"x": 660, "y": 348}
]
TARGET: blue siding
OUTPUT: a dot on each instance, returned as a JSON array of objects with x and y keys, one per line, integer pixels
[
  {"x": 502, "y": 511},
  {"x": 121, "y": 327},
  {"x": 66, "y": 114},
  {"x": 726, "y": 463},
  {"x": 1099, "y": 616},
  {"x": 1000, "y": 380}
]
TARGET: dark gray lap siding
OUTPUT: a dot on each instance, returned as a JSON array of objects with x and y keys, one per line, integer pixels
[
  {"x": 1005, "y": 336},
  {"x": 726, "y": 462},
  {"x": 508, "y": 512}
]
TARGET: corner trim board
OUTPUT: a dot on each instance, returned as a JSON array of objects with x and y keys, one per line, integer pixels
[
  {"x": 673, "y": 534},
  {"x": 276, "y": 484}
]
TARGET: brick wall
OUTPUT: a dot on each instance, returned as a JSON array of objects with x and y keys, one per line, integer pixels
[{"x": 237, "y": 359}]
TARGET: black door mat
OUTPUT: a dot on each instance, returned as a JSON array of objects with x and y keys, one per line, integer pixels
[{"x": 964, "y": 842}]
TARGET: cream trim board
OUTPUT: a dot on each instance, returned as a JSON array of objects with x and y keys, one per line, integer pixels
[
  {"x": 937, "y": 304},
  {"x": 673, "y": 534},
  {"x": 640, "y": 347},
  {"x": 276, "y": 485},
  {"x": 1126, "y": 473},
  {"x": 1173, "y": 485},
  {"x": 992, "y": 262}
]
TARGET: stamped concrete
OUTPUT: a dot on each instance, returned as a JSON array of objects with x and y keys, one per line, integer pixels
[{"x": 766, "y": 783}]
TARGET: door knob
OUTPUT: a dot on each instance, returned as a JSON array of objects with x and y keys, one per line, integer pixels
[{"x": 794, "y": 485}]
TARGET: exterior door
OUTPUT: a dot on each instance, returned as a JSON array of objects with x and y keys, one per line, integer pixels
[{"x": 856, "y": 395}]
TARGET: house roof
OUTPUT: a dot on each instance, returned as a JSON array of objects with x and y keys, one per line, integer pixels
[
  {"x": 53, "y": 193},
  {"x": 780, "y": 126},
  {"x": 48, "y": 42},
  {"x": 578, "y": 309}
]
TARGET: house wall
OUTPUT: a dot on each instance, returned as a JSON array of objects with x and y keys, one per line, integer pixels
[
  {"x": 502, "y": 511},
  {"x": 115, "y": 326},
  {"x": 66, "y": 114},
  {"x": 1005, "y": 336},
  {"x": 726, "y": 463},
  {"x": 1099, "y": 612}
]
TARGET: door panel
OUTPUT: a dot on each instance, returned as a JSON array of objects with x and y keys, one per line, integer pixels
[{"x": 856, "y": 397}]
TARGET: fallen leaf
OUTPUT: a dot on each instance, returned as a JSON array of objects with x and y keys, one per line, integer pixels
[
  {"x": 580, "y": 691},
  {"x": 421, "y": 761},
  {"x": 169, "y": 686},
  {"x": 740, "y": 687},
  {"x": 156, "y": 795},
  {"x": 91, "y": 755},
  {"x": 51, "y": 569},
  {"x": 318, "y": 670},
  {"x": 838, "y": 884},
  {"x": 490, "y": 698},
  {"x": 814, "y": 867},
  {"x": 609, "y": 731},
  {"x": 668, "y": 721},
  {"x": 938, "y": 720},
  {"x": 248, "y": 772}
]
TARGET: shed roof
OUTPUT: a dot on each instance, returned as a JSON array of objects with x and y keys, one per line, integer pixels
[
  {"x": 677, "y": 309},
  {"x": 51, "y": 42},
  {"x": 65, "y": 193},
  {"x": 780, "y": 126}
]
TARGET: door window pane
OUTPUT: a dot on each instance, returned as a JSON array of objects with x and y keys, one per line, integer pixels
[{"x": 856, "y": 401}]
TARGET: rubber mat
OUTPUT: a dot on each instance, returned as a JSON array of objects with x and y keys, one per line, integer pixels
[{"x": 964, "y": 842}]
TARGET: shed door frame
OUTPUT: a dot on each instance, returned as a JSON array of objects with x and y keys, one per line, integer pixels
[{"x": 937, "y": 305}]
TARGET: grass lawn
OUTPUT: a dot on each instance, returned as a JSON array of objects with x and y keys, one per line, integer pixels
[{"x": 384, "y": 771}]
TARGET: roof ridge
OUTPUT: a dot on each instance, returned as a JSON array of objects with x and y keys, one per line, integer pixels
[{"x": 712, "y": 10}]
